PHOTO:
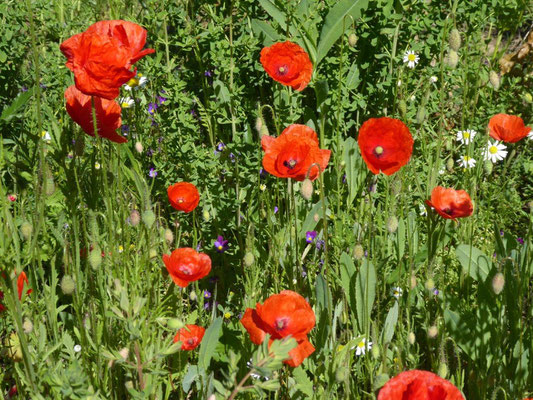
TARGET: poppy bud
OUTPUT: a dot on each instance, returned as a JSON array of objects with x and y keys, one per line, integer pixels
[
  {"x": 67, "y": 285},
  {"x": 50, "y": 186},
  {"x": 307, "y": 189},
  {"x": 402, "y": 108},
  {"x": 152, "y": 253},
  {"x": 206, "y": 215},
  {"x": 193, "y": 296},
  {"x": 443, "y": 370},
  {"x": 95, "y": 257},
  {"x": 452, "y": 59},
  {"x": 259, "y": 124},
  {"x": 430, "y": 284},
  {"x": 449, "y": 144},
  {"x": 135, "y": 218},
  {"x": 449, "y": 164},
  {"x": 175, "y": 323},
  {"x": 358, "y": 252},
  {"x": 454, "y": 40},
  {"x": 341, "y": 374},
  {"x": 413, "y": 281},
  {"x": 27, "y": 326},
  {"x": 249, "y": 259},
  {"x": 26, "y": 229},
  {"x": 380, "y": 381},
  {"x": 352, "y": 40},
  {"x": 148, "y": 218},
  {"x": 498, "y": 283},
  {"x": 528, "y": 98},
  {"x": 124, "y": 353},
  {"x": 487, "y": 167},
  {"x": 421, "y": 115},
  {"x": 433, "y": 331},
  {"x": 494, "y": 80},
  {"x": 392, "y": 224},
  {"x": 263, "y": 131},
  {"x": 169, "y": 236},
  {"x": 128, "y": 385},
  {"x": 375, "y": 351},
  {"x": 411, "y": 338},
  {"x": 139, "y": 147}
]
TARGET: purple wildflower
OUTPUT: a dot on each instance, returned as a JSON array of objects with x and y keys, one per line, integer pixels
[
  {"x": 199, "y": 246},
  {"x": 221, "y": 245},
  {"x": 161, "y": 99},
  {"x": 344, "y": 178},
  {"x": 193, "y": 112},
  {"x": 152, "y": 107},
  {"x": 221, "y": 146},
  {"x": 150, "y": 152},
  {"x": 436, "y": 292},
  {"x": 23, "y": 89},
  {"x": 207, "y": 294},
  {"x": 208, "y": 73},
  {"x": 276, "y": 209},
  {"x": 262, "y": 173},
  {"x": 152, "y": 173},
  {"x": 320, "y": 244},
  {"x": 520, "y": 240},
  {"x": 206, "y": 306},
  {"x": 232, "y": 157},
  {"x": 310, "y": 236},
  {"x": 125, "y": 129},
  {"x": 501, "y": 232}
]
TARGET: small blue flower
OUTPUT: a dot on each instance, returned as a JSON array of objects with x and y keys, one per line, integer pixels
[
  {"x": 276, "y": 209},
  {"x": 310, "y": 236},
  {"x": 152, "y": 173}
]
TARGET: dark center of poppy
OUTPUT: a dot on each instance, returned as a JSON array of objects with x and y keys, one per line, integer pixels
[
  {"x": 378, "y": 151},
  {"x": 283, "y": 70},
  {"x": 281, "y": 323},
  {"x": 290, "y": 163},
  {"x": 190, "y": 341},
  {"x": 448, "y": 211}
]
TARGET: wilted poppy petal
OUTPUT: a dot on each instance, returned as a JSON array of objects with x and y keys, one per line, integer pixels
[
  {"x": 22, "y": 278},
  {"x": 257, "y": 335},
  {"x": 451, "y": 203}
]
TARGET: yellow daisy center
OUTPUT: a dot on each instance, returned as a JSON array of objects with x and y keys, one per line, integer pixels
[
  {"x": 466, "y": 158},
  {"x": 466, "y": 135},
  {"x": 493, "y": 149},
  {"x": 361, "y": 344},
  {"x": 411, "y": 57},
  {"x": 133, "y": 82}
]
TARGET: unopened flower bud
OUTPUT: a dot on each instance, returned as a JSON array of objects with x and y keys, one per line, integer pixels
[
  {"x": 449, "y": 144},
  {"x": 352, "y": 40},
  {"x": 411, "y": 338},
  {"x": 124, "y": 353},
  {"x": 263, "y": 131},
  {"x": 443, "y": 370},
  {"x": 249, "y": 259},
  {"x": 258, "y": 124},
  {"x": 452, "y": 59},
  {"x": 26, "y": 229},
  {"x": 316, "y": 217},
  {"x": 498, "y": 283},
  {"x": 402, "y": 108},
  {"x": 413, "y": 281},
  {"x": 27, "y": 326},
  {"x": 152, "y": 253},
  {"x": 139, "y": 147},
  {"x": 79, "y": 146},
  {"x": 430, "y": 284},
  {"x": 494, "y": 80},
  {"x": 528, "y": 97},
  {"x": 307, "y": 189},
  {"x": 205, "y": 215},
  {"x": 95, "y": 257},
  {"x": 135, "y": 218},
  {"x": 487, "y": 167},
  {"x": 375, "y": 351},
  {"x": 433, "y": 331},
  {"x": 148, "y": 218},
  {"x": 449, "y": 164},
  {"x": 68, "y": 285},
  {"x": 421, "y": 115},
  {"x": 175, "y": 323},
  {"x": 392, "y": 224},
  {"x": 193, "y": 296},
  {"x": 340, "y": 374},
  {"x": 358, "y": 251},
  {"x": 169, "y": 236},
  {"x": 454, "y": 40}
]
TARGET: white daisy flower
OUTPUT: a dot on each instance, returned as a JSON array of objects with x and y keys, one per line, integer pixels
[
  {"x": 442, "y": 171},
  {"x": 495, "y": 152},
  {"x": 126, "y": 102},
  {"x": 362, "y": 347},
  {"x": 97, "y": 165},
  {"x": 46, "y": 136},
  {"x": 530, "y": 135},
  {"x": 411, "y": 58},
  {"x": 399, "y": 82},
  {"x": 465, "y": 137},
  {"x": 137, "y": 81},
  {"x": 423, "y": 211},
  {"x": 466, "y": 162},
  {"x": 397, "y": 292},
  {"x": 77, "y": 348},
  {"x": 433, "y": 79},
  {"x": 262, "y": 187}
]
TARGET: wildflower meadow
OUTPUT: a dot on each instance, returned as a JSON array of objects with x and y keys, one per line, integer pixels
[{"x": 266, "y": 199}]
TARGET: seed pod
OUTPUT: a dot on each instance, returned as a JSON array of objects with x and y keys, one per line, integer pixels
[
  {"x": 443, "y": 370},
  {"x": 352, "y": 40},
  {"x": 433, "y": 331},
  {"x": 452, "y": 59},
  {"x": 139, "y": 147},
  {"x": 68, "y": 285},
  {"x": 454, "y": 40},
  {"x": 306, "y": 189},
  {"x": 494, "y": 80},
  {"x": 169, "y": 236},
  {"x": 392, "y": 224},
  {"x": 135, "y": 218},
  {"x": 498, "y": 283},
  {"x": 26, "y": 229},
  {"x": 95, "y": 257},
  {"x": 148, "y": 218},
  {"x": 487, "y": 167},
  {"x": 249, "y": 259},
  {"x": 358, "y": 251},
  {"x": 402, "y": 108}
]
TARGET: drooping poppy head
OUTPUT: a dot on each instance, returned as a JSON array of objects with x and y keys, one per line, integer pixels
[
  {"x": 21, "y": 280},
  {"x": 281, "y": 315},
  {"x": 451, "y": 203},
  {"x": 190, "y": 336},
  {"x": 102, "y": 56},
  {"x": 183, "y": 196},
  {"x": 186, "y": 265},
  {"x": 419, "y": 385},
  {"x": 293, "y": 153},
  {"x": 108, "y": 118},
  {"x": 288, "y": 64},
  {"x": 508, "y": 128},
  {"x": 386, "y": 144}
]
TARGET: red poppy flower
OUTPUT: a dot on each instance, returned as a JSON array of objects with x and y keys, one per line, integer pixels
[
  {"x": 102, "y": 56},
  {"x": 292, "y": 154},
  {"x": 108, "y": 118},
  {"x": 288, "y": 64},
  {"x": 451, "y": 203},
  {"x": 183, "y": 196},
  {"x": 386, "y": 144},
  {"x": 190, "y": 336},
  {"x": 281, "y": 315},
  {"x": 22, "y": 278},
  {"x": 419, "y": 385},
  {"x": 187, "y": 265},
  {"x": 508, "y": 128}
]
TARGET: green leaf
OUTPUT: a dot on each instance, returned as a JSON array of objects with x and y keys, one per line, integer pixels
[
  {"x": 261, "y": 27},
  {"x": 274, "y": 12},
  {"x": 474, "y": 262},
  {"x": 365, "y": 293},
  {"x": 20, "y": 101},
  {"x": 352, "y": 161},
  {"x": 390, "y": 323},
  {"x": 303, "y": 383},
  {"x": 352, "y": 80},
  {"x": 348, "y": 271},
  {"x": 189, "y": 378},
  {"x": 338, "y": 19},
  {"x": 209, "y": 343}
]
